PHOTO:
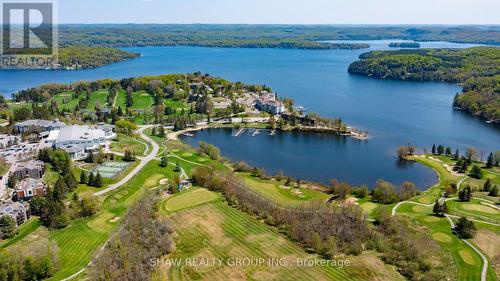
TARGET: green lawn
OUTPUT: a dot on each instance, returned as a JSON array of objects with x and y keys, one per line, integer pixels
[
  {"x": 16, "y": 105},
  {"x": 445, "y": 179},
  {"x": 474, "y": 209},
  {"x": 188, "y": 199},
  {"x": 124, "y": 142},
  {"x": 65, "y": 101},
  {"x": 277, "y": 191},
  {"x": 77, "y": 244},
  {"x": 177, "y": 105},
  {"x": 142, "y": 100}
]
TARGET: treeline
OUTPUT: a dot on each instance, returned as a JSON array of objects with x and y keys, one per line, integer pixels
[
  {"x": 478, "y": 69},
  {"x": 143, "y": 236},
  {"x": 263, "y": 35},
  {"x": 76, "y": 57},
  {"x": 53, "y": 211},
  {"x": 39, "y": 262},
  {"x": 404, "y": 45},
  {"x": 330, "y": 231}
]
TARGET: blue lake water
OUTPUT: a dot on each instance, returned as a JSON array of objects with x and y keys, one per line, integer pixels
[{"x": 393, "y": 112}]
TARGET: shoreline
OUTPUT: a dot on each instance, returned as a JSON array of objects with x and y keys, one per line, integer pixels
[{"x": 174, "y": 135}]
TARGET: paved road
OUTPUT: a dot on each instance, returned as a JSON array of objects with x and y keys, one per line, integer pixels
[{"x": 144, "y": 161}]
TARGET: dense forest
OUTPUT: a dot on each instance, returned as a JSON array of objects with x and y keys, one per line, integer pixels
[
  {"x": 89, "y": 57},
  {"x": 477, "y": 69},
  {"x": 269, "y": 36}
]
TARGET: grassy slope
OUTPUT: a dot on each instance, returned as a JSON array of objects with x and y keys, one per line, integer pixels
[
  {"x": 213, "y": 229},
  {"x": 127, "y": 142},
  {"x": 458, "y": 249},
  {"x": 274, "y": 190}
]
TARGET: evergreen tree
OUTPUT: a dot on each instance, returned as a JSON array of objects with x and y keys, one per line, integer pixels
[
  {"x": 8, "y": 227},
  {"x": 448, "y": 151},
  {"x": 440, "y": 149},
  {"x": 84, "y": 178},
  {"x": 465, "y": 228},
  {"x": 164, "y": 161},
  {"x": 120, "y": 111},
  {"x": 98, "y": 180},
  {"x": 70, "y": 181},
  {"x": 60, "y": 189},
  {"x": 465, "y": 194},
  {"x": 487, "y": 185},
  {"x": 90, "y": 181},
  {"x": 476, "y": 172},
  {"x": 433, "y": 150},
  {"x": 493, "y": 191},
  {"x": 489, "y": 162},
  {"x": 457, "y": 155}
]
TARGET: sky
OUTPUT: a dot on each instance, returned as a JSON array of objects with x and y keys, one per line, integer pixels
[{"x": 281, "y": 11}]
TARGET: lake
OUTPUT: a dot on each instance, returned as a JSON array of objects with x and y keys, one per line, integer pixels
[{"x": 393, "y": 112}]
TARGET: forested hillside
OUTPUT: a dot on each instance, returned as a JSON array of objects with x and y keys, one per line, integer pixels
[
  {"x": 265, "y": 36},
  {"x": 90, "y": 57},
  {"x": 477, "y": 69}
]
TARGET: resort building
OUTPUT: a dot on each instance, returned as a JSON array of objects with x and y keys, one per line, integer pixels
[
  {"x": 268, "y": 102},
  {"x": 31, "y": 169},
  {"x": 29, "y": 187},
  {"x": 77, "y": 140},
  {"x": 38, "y": 126},
  {"x": 16, "y": 210}
]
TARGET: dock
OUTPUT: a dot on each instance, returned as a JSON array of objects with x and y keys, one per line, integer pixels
[
  {"x": 273, "y": 132},
  {"x": 239, "y": 132},
  {"x": 257, "y": 131}
]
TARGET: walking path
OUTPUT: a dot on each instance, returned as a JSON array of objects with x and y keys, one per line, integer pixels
[
  {"x": 485, "y": 260},
  {"x": 144, "y": 161}
]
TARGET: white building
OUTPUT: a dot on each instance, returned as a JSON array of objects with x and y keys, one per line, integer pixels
[
  {"x": 268, "y": 102},
  {"x": 78, "y": 139}
]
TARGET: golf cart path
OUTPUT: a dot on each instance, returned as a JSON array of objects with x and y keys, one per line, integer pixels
[{"x": 144, "y": 161}]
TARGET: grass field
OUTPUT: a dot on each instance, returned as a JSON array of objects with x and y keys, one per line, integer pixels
[
  {"x": 278, "y": 192},
  {"x": 127, "y": 142},
  {"x": 65, "y": 101},
  {"x": 142, "y": 100},
  {"x": 215, "y": 230},
  {"x": 474, "y": 209},
  {"x": 184, "y": 200},
  {"x": 445, "y": 179}
]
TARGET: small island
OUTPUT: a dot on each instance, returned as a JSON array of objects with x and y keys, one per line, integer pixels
[{"x": 409, "y": 45}]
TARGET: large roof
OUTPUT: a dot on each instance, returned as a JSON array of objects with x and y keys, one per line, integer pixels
[{"x": 79, "y": 132}]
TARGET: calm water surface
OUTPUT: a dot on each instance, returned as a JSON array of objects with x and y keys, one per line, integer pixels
[{"x": 393, "y": 112}]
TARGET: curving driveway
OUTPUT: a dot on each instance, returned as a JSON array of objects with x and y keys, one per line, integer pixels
[{"x": 144, "y": 161}]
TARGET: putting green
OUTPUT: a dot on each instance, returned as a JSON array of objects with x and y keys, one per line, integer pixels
[
  {"x": 425, "y": 200},
  {"x": 202, "y": 160},
  {"x": 419, "y": 209},
  {"x": 368, "y": 207},
  {"x": 431, "y": 219},
  {"x": 441, "y": 237},
  {"x": 478, "y": 208},
  {"x": 189, "y": 199},
  {"x": 467, "y": 257},
  {"x": 175, "y": 150},
  {"x": 187, "y": 154}
]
